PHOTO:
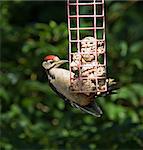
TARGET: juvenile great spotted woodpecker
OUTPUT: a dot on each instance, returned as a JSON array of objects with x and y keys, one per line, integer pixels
[{"x": 59, "y": 81}]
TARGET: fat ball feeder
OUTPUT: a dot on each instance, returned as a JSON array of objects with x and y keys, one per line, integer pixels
[{"x": 87, "y": 46}]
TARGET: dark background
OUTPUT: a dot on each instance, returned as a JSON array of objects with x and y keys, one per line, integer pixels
[{"x": 32, "y": 115}]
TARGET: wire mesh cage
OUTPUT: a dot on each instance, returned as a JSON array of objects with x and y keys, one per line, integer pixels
[{"x": 87, "y": 47}]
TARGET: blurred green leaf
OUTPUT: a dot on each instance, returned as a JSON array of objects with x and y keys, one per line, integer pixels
[
  {"x": 4, "y": 94},
  {"x": 136, "y": 47},
  {"x": 124, "y": 48},
  {"x": 138, "y": 63}
]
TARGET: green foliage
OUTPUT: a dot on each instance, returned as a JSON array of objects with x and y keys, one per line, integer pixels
[{"x": 32, "y": 115}]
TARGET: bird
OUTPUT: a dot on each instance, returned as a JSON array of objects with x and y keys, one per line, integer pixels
[{"x": 59, "y": 81}]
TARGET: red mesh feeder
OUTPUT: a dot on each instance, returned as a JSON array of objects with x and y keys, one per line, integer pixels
[{"x": 87, "y": 47}]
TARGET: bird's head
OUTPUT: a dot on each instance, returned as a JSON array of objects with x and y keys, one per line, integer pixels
[{"x": 52, "y": 61}]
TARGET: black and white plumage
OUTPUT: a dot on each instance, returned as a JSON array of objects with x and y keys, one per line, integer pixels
[{"x": 59, "y": 81}]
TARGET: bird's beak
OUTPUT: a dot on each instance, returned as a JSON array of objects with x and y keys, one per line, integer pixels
[{"x": 60, "y": 62}]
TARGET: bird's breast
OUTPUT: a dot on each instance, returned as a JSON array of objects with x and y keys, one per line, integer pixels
[
  {"x": 61, "y": 78},
  {"x": 61, "y": 83}
]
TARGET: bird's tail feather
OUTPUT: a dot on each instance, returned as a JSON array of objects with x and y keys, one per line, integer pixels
[{"x": 92, "y": 109}]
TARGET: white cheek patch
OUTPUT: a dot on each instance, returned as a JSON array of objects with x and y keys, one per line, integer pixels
[{"x": 45, "y": 65}]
